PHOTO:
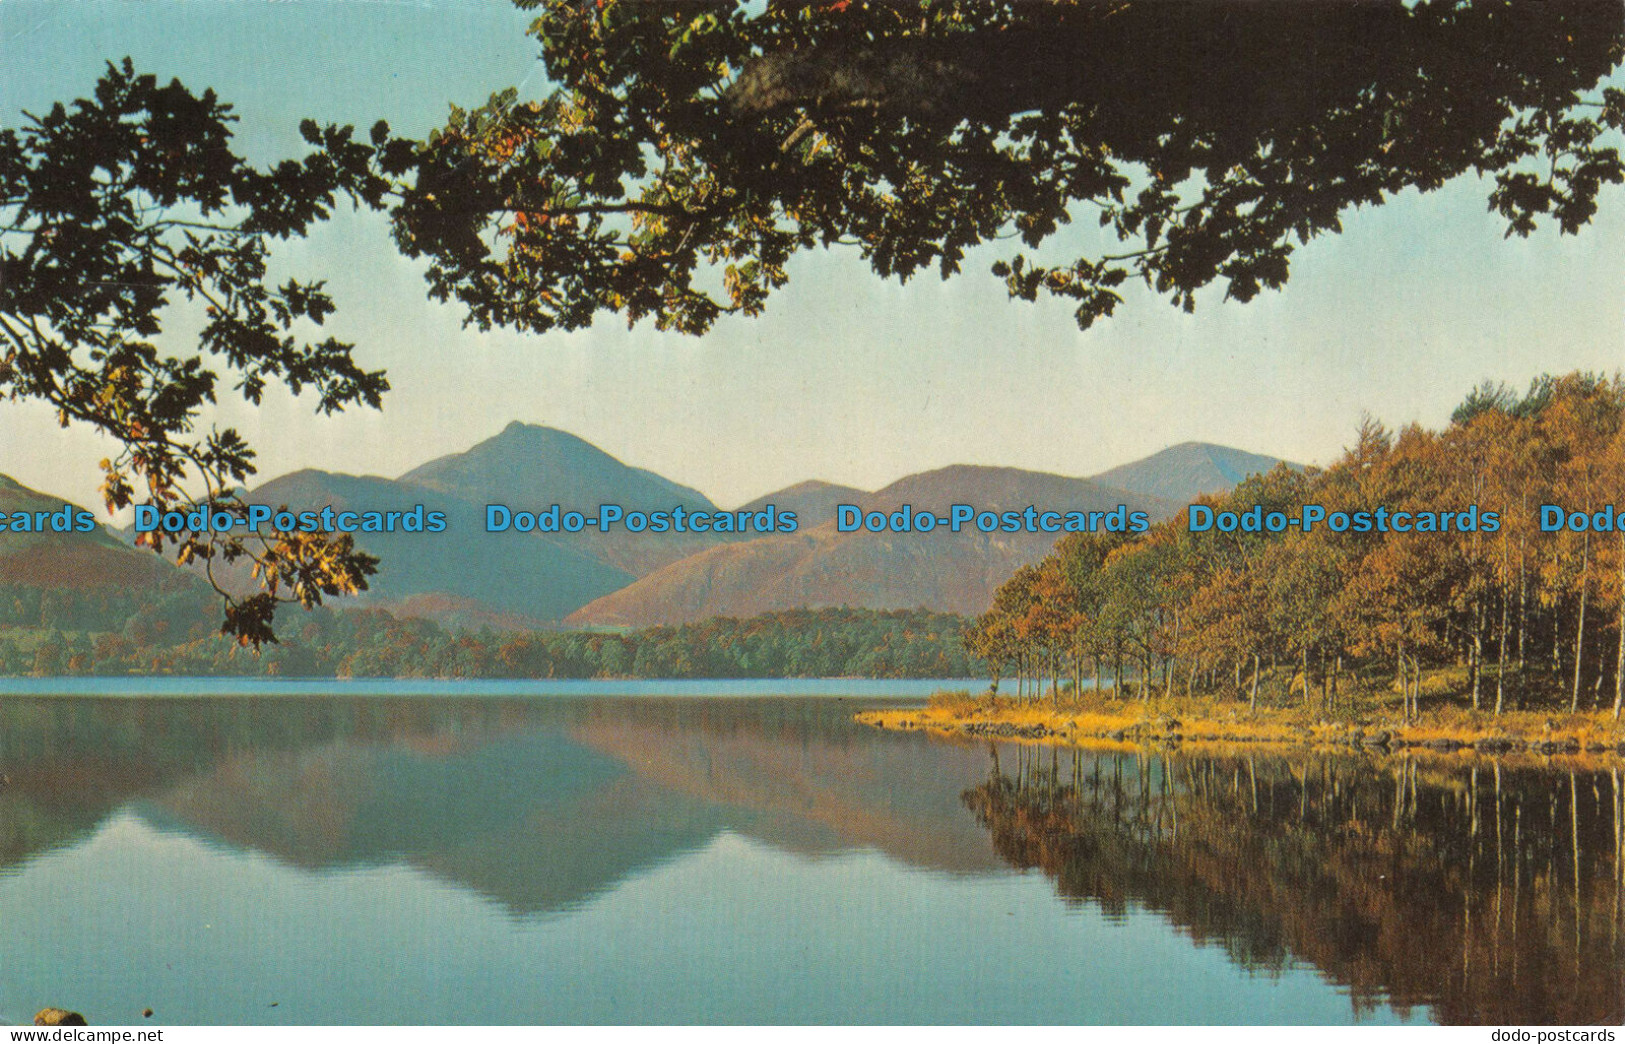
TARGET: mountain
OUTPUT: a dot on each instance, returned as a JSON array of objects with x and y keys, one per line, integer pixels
[
  {"x": 1007, "y": 489},
  {"x": 85, "y": 562},
  {"x": 813, "y": 502},
  {"x": 1182, "y": 473},
  {"x": 468, "y": 576},
  {"x": 820, "y": 567},
  {"x": 528, "y": 467},
  {"x": 461, "y": 571},
  {"x": 465, "y": 576}
]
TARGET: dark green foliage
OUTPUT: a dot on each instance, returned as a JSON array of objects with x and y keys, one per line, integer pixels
[
  {"x": 122, "y": 212},
  {"x": 167, "y": 636},
  {"x": 690, "y": 150},
  {"x": 182, "y": 603}
]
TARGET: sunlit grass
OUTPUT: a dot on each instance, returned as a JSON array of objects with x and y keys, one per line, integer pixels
[{"x": 1365, "y": 707}]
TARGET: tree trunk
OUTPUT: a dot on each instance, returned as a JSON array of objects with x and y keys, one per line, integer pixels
[
  {"x": 1478, "y": 650},
  {"x": 1523, "y": 606},
  {"x": 1619, "y": 666},
  {"x": 1173, "y": 660},
  {"x": 1580, "y": 628},
  {"x": 1501, "y": 638},
  {"x": 1252, "y": 697},
  {"x": 1404, "y": 686}
]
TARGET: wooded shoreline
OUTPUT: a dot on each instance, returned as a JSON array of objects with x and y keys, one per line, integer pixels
[{"x": 1338, "y": 622}]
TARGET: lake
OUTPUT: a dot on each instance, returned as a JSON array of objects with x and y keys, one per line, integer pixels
[{"x": 296, "y": 853}]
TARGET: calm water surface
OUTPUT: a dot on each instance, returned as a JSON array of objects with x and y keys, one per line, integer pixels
[{"x": 491, "y": 855}]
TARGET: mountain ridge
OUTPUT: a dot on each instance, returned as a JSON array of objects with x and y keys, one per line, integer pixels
[
  {"x": 1187, "y": 470},
  {"x": 92, "y": 561},
  {"x": 571, "y": 471},
  {"x": 813, "y": 501},
  {"x": 821, "y": 567},
  {"x": 625, "y": 579}
]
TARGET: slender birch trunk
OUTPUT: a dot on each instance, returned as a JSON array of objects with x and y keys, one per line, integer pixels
[
  {"x": 1580, "y": 628},
  {"x": 1619, "y": 666}
]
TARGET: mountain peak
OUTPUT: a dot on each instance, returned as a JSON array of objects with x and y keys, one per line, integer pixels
[
  {"x": 518, "y": 433},
  {"x": 532, "y": 464},
  {"x": 813, "y": 501},
  {"x": 1187, "y": 470},
  {"x": 524, "y": 427}
]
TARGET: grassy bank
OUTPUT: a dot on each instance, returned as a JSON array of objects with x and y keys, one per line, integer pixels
[{"x": 1367, "y": 719}]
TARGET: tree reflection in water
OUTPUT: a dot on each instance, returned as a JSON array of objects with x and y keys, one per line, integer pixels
[{"x": 1488, "y": 893}]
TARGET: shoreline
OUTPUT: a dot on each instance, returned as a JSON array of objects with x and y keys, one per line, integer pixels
[{"x": 1101, "y": 722}]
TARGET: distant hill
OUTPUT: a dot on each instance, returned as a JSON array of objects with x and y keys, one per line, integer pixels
[
  {"x": 465, "y": 569},
  {"x": 467, "y": 577},
  {"x": 94, "y": 561},
  {"x": 530, "y": 467},
  {"x": 820, "y": 567},
  {"x": 1182, "y": 473},
  {"x": 813, "y": 502}
]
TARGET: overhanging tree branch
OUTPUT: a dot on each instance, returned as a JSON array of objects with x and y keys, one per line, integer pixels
[{"x": 1214, "y": 138}]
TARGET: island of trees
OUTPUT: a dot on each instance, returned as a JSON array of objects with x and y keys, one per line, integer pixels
[{"x": 1495, "y": 622}]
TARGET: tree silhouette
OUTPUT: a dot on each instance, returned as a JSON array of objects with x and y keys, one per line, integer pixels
[
  {"x": 127, "y": 211},
  {"x": 689, "y": 151}
]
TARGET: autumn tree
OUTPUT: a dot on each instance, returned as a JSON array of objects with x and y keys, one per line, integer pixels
[
  {"x": 1014, "y": 619},
  {"x": 1583, "y": 419},
  {"x": 1081, "y": 557},
  {"x": 1541, "y": 612},
  {"x": 990, "y": 639},
  {"x": 1229, "y": 617}
]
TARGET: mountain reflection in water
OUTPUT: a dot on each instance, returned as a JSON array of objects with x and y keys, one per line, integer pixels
[
  {"x": 1492, "y": 894},
  {"x": 536, "y": 804},
  {"x": 883, "y": 874}
]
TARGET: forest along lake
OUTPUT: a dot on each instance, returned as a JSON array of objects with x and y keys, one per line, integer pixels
[{"x": 482, "y": 854}]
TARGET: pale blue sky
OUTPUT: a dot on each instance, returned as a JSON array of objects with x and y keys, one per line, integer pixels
[{"x": 846, "y": 378}]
